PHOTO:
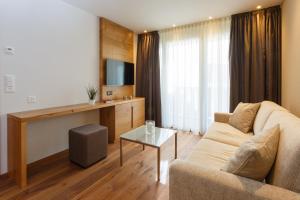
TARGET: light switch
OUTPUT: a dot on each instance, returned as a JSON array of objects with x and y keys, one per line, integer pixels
[{"x": 10, "y": 83}]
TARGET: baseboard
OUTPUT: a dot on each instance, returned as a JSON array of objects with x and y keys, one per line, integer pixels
[
  {"x": 4, "y": 176},
  {"x": 47, "y": 160},
  {"x": 41, "y": 163}
]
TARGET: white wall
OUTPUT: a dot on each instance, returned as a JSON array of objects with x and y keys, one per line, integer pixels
[
  {"x": 290, "y": 55},
  {"x": 56, "y": 56}
]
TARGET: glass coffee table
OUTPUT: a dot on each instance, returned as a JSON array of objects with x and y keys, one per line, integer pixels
[{"x": 155, "y": 140}]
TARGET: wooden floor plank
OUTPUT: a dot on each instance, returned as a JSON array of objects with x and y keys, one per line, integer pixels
[{"x": 136, "y": 179}]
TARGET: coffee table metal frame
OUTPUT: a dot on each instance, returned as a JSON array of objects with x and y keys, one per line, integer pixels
[{"x": 147, "y": 144}]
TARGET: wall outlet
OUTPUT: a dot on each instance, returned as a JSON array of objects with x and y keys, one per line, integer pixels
[
  {"x": 31, "y": 99},
  {"x": 109, "y": 93}
]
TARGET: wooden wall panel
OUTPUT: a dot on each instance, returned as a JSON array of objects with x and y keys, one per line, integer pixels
[
  {"x": 118, "y": 92},
  {"x": 116, "y": 42}
]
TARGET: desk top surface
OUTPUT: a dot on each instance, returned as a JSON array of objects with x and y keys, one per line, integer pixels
[{"x": 33, "y": 115}]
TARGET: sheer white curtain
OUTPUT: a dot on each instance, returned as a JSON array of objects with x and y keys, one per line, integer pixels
[{"x": 194, "y": 74}]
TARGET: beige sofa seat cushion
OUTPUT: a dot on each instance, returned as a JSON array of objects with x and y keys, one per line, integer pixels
[
  {"x": 211, "y": 154},
  {"x": 264, "y": 112},
  {"x": 225, "y": 133},
  {"x": 243, "y": 116},
  {"x": 191, "y": 182},
  {"x": 286, "y": 170},
  {"x": 254, "y": 158}
]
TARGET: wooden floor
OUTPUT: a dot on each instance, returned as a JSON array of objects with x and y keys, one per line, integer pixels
[{"x": 59, "y": 179}]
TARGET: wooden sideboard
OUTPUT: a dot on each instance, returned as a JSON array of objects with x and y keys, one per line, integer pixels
[
  {"x": 123, "y": 117},
  {"x": 119, "y": 116}
]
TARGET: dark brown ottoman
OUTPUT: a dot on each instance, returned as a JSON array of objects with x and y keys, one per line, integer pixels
[{"x": 88, "y": 144}]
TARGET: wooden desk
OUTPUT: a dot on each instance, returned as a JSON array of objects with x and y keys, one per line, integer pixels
[{"x": 115, "y": 115}]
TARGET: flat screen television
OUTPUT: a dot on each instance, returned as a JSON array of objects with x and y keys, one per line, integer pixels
[{"x": 119, "y": 72}]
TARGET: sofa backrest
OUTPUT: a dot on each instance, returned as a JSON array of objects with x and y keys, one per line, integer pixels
[
  {"x": 286, "y": 170},
  {"x": 264, "y": 112}
]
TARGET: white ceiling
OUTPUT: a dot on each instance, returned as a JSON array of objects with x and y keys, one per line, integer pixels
[{"x": 139, "y": 15}]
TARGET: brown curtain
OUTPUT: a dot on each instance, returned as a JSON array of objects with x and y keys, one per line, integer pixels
[
  {"x": 148, "y": 75},
  {"x": 255, "y": 56}
]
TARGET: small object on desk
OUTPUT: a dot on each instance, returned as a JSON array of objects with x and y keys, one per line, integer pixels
[
  {"x": 92, "y": 101},
  {"x": 92, "y": 92},
  {"x": 109, "y": 101},
  {"x": 127, "y": 97}
]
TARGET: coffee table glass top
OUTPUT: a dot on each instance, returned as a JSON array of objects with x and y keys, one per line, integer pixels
[{"x": 156, "y": 139}]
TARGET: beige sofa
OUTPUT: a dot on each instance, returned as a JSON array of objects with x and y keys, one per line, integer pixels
[{"x": 199, "y": 176}]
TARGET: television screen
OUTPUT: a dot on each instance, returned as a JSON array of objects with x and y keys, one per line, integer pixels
[{"x": 119, "y": 72}]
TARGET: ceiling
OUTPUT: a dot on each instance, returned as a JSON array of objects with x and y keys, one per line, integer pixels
[{"x": 140, "y": 15}]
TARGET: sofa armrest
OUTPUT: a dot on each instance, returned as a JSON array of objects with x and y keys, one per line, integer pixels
[
  {"x": 222, "y": 117},
  {"x": 190, "y": 182}
]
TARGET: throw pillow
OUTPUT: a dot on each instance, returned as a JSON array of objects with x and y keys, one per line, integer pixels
[
  {"x": 254, "y": 158},
  {"x": 243, "y": 116}
]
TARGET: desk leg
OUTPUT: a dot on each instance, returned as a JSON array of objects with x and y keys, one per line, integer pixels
[
  {"x": 143, "y": 147},
  {"x": 175, "y": 145},
  {"x": 121, "y": 153},
  {"x": 17, "y": 150},
  {"x": 158, "y": 164}
]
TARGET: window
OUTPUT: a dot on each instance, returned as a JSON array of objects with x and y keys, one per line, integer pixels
[{"x": 194, "y": 74}]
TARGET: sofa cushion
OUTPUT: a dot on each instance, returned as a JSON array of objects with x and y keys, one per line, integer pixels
[
  {"x": 264, "y": 112},
  {"x": 254, "y": 158},
  {"x": 225, "y": 133},
  {"x": 211, "y": 154},
  {"x": 243, "y": 116},
  {"x": 286, "y": 170}
]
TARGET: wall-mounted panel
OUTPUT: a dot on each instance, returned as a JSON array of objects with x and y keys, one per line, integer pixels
[{"x": 116, "y": 42}]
